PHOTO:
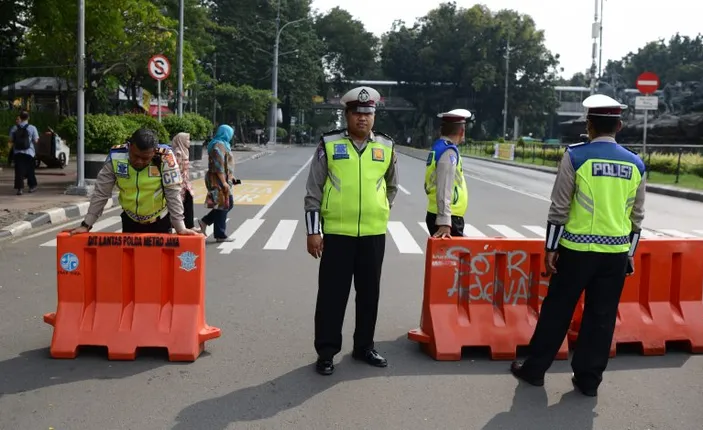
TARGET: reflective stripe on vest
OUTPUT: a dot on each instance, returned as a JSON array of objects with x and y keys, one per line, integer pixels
[
  {"x": 607, "y": 178},
  {"x": 354, "y": 199},
  {"x": 460, "y": 194},
  {"x": 141, "y": 193}
]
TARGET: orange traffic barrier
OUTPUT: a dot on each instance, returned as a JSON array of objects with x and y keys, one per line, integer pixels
[
  {"x": 662, "y": 301},
  {"x": 126, "y": 291},
  {"x": 481, "y": 293}
]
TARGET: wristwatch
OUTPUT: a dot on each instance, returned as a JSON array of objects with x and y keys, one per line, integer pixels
[{"x": 83, "y": 224}]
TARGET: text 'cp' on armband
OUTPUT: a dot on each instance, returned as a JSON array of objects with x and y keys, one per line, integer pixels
[
  {"x": 554, "y": 232},
  {"x": 312, "y": 222},
  {"x": 634, "y": 241}
]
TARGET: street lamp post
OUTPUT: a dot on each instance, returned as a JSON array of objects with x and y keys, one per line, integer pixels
[
  {"x": 274, "y": 75},
  {"x": 80, "y": 187},
  {"x": 180, "y": 58},
  {"x": 505, "y": 95}
]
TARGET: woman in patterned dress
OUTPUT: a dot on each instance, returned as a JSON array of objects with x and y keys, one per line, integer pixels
[
  {"x": 180, "y": 145},
  {"x": 219, "y": 181}
]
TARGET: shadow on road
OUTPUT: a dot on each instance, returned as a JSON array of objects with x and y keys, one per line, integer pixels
[
  {"x": 36, "y": 369},
  {"x": 292, "y": 389}
]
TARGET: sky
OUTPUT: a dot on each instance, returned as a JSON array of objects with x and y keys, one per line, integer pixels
[{"x": 627, "y": 24}]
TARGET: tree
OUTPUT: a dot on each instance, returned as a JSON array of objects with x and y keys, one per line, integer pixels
[
  {"x": 455, "y": 57},
  {"x": 14, "y": 19}
]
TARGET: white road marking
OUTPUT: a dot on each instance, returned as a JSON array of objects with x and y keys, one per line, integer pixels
[
  {"x": 403, "y": 239},
  {"x": 423, "y": 224},
  {"x": 648, "y": 234},
  {"x": 505, "y": 230},
  {"x": 539, "y": 231},
  {"x": 98, "y": 226},
  {"x": 281, "y": 237},
  {"x": 471, "y": 231},
  {"x": 698, "y": 232},
  {"x": 508, "y": 187},
  {"x": 241, "y": 236},
  {"x": 676, "y": 233},
  {"x": 268, "y": 205},
  {"x": 402, "y": 188}
]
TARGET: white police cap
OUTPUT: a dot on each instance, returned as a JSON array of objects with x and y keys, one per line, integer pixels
[
  {"x": 602, "y": 105},
  {"x": 456, "y": 116},
  {"x": 361, "y": 99}
]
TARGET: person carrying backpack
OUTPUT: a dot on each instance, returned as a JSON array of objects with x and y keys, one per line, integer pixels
[{"x": 23, "y": 137}]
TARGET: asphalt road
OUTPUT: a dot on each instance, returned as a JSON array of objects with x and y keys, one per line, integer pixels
[{"x": 261, "y": 293}]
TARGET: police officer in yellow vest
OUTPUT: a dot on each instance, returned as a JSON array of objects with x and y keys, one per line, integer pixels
[
  {"x": 149, "y": 183},
  {"x": 445, "y": 185},
  {"x": 350, "y": 191},
  {"x": 593, "y": 229}
]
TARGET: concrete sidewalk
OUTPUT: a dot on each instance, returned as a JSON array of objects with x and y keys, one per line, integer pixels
[{"x": 50, "y": 205}]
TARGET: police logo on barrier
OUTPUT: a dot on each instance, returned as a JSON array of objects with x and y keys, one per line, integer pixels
[
  {"x": 340, "y": 152},
  {"x": 122, "y": 169},
  {"x": 69, "y": 262},
  {"x": 154, "y": 172},
  {"x": 377, "y": 154},
  {"x": 188, "y": 261}
]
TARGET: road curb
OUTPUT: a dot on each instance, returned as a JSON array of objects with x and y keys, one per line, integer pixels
[
  {"x": 697, "y": 196},
  {"x": 58, "y": 215}
]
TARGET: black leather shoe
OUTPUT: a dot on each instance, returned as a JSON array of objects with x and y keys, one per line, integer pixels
[
  {"x": 517, "y": 371},
  {"x": 590, "y": 392},
  {"x": 324, "y": 367},
  {"x": 371, "y": 357}
]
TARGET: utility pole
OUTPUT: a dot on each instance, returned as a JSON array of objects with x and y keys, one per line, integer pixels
[
  {"x": 181, "y": 6},
  {"x": 595, "y": 30},
  {"x": 80, "y": 188},
  {"x": 600, "y": 44},
  {"x": 214, "y": 92},
  {"x": 505, "y": 101}
]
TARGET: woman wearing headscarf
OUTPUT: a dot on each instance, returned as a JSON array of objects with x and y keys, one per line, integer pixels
[
  {"x": 219, "y": 180},
  {"x": 181, "y": 145}
]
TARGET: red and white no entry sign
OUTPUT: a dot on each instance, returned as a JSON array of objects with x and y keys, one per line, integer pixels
[
  {"x": 648, "y": 83},
  {"x": 159, "y": 67}
]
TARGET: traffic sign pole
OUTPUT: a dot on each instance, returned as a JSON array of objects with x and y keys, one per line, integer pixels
[
  {"x": 647, "y": 83},
  {"x": 159, "y": 69}
]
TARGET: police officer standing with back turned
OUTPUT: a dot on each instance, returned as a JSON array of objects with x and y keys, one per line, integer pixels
[
  {"x": 149, "y": 183},
  {"x": 445, "y": 185},
  {"x": 350, "y": 190},
  {"x": 593, "y": 229}
]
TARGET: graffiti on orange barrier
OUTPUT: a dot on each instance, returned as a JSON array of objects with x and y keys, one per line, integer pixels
[{"x": 482, "y": 277}]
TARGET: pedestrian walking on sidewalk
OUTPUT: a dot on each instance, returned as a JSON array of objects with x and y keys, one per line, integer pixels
[
  {"x": 23, "y": 138},
  {"x": 181, "y": 146},
  {"x": 219, "y": 181},
  {"x": 350, "y": 191},
  {"x": 445, "y": 185},
  {"x": 149, "y": 184},
  {"x": 593, "y": 229}
]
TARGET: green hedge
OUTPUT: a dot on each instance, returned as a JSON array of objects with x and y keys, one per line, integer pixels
[
  {"x": 4, "y": 148},
  {"x": 656, "y": 161},
  {"x": 104, "y": 131}
]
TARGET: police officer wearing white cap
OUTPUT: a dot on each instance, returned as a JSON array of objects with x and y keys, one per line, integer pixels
[
  {"x": 350, "y": 190},
  {"x": 593, "y": 229},
  {"x": 445, "y": 185}
]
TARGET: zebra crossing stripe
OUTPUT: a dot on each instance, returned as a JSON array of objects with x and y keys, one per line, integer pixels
[
  {"x": 98, "y": 226},
  {"x": 675, "y": 233},
  {"x": 423, "y": 224},
  {"x": 698, "y": 232},
  {"x": 539, "y": 231},
  {"x": 471, "y": 231},
  {"x": 403, "y": 239},
  {"x": 505, "y": 231},
  {"x": 281, "y": 237},
  {"x": 241, "y": 236}
]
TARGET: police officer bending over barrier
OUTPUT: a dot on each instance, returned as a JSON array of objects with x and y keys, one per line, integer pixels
[
  {"x": 149, "y": 183},
  {"x": 350, "y": 190},
  {"x": 593, "y": 229},
  {"x": 445, "y": 185}
]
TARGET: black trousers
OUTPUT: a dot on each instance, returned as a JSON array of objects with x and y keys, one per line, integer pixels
[
  {"x": 344, "y": 257},
  {"x": 188, "y": 211},
  {"x": 457, "y": 224},
  {"x": 24, "y": 168},
  {"x": 160, "y": 226},
  {"x": 603, "y": 277}
]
